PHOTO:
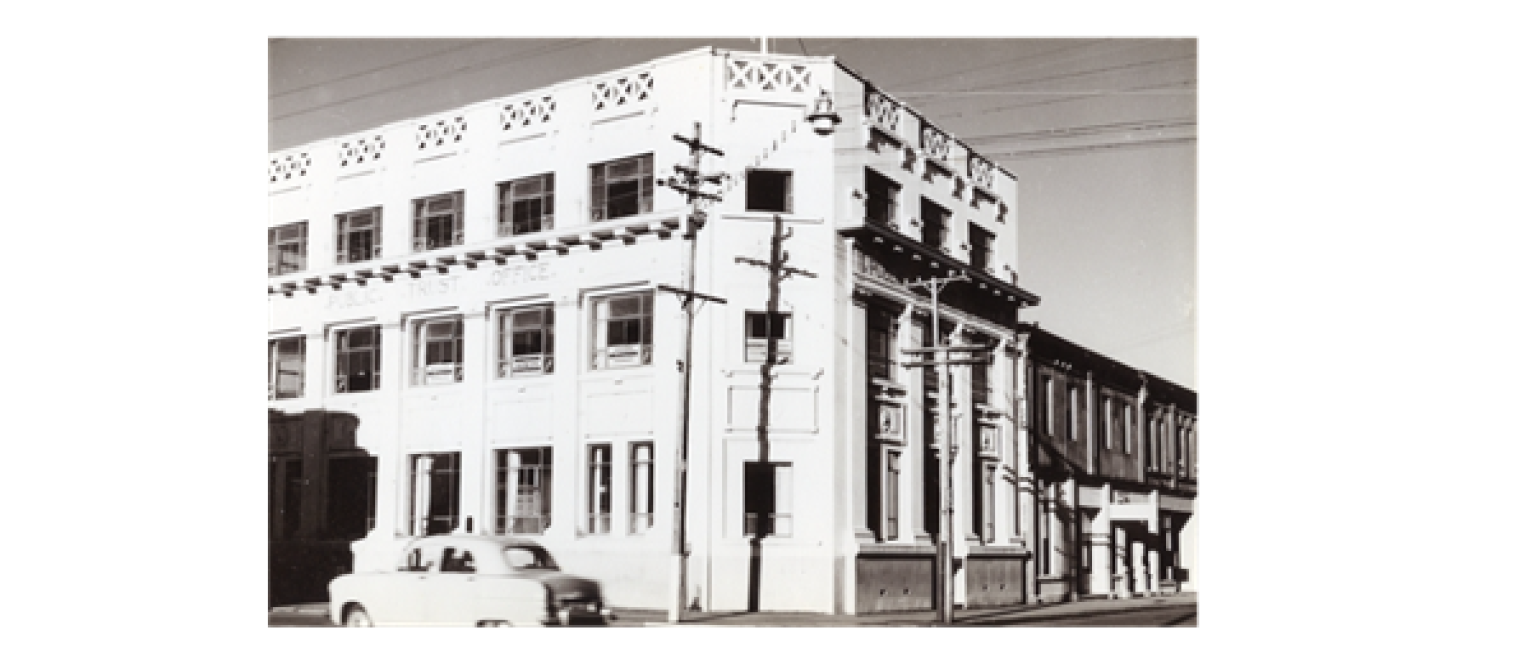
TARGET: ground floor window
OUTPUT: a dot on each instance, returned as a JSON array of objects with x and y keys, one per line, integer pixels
[
  {"x": 523, "y": 490},
  {"x": 766, "y": 498},
  {"x": 350, "y": 483},
  {"x": 892, "y": 493},
  {"x": 642, "y": 487},
  {"x": 599, "y": 488},
  {"x": 434, "y": 493}
]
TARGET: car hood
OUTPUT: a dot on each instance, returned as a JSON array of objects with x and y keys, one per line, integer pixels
[{"x": 564, "y": 585}]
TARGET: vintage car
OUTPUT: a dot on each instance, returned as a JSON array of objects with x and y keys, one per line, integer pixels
[{"x": 469, "y": 580}]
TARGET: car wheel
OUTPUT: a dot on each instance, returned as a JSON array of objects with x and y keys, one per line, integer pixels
[{"x": 357, "y": 617}]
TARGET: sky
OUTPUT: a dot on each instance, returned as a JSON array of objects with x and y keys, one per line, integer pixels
[{"x": 1099, "y": 132}]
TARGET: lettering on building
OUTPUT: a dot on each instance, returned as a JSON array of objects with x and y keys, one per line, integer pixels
[
  {"x": 516, "y": 274},
  {"x": 355, "y": 298},
  {"x": 432, "y": 287}
]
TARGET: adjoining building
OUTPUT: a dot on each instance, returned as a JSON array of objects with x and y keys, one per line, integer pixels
[{"x": 469, "y": 333}]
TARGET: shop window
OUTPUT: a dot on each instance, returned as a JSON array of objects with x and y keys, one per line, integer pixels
[
  {"x": 981, "y": 248},
  {"x": 358, "y": 236},
  {"x": 935, "y": 220},
  {"x": 769, "y": 190},
  {"x": 621, "y": 188},
  {"x": 892, "y": 493},
  {"x": 765, "y": 330},
  {"x": 621, "y": 331},
  {"x": 986, "y": 504},
  {"x": 286, "y": 248},
  {"x": 526, "y": 205},
  {"x": 981, "y": 373},
  {"x": 523, "y": 490},
  {"x": 642, "y": 487},
  {"x": 439, "y": 222},
  {"x": 599, "y": 488},
  {"x": 434, "y": 493},
  {"x": 285, "y": 368},
  {"x": 880, "y": 199},
  {"x": 766, "y": 499},
  {"x": 357, "y": 359},
  {"x": 350, "y": 487},
  {"x": 879, "y": 344},
  {"x": 527, "y": 341},
  {"x": 439, "y": 351}
]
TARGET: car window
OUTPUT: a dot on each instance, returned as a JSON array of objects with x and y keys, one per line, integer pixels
[
  {"x": 462, "y": 562},
  {"x": 413, "y": 560},
  {"x": 524, "y": 557}
]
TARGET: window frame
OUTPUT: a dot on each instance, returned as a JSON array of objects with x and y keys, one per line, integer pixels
[
  {"x": 342, "y": 360},
  {"x": 891, "y": 207},
  {"x": 345, "y": 229},
  {"x": 420, "y": 346},
  {"x": 423, "y": 524},
  {"x": 423, "y": 217},
  {"x": 507, "y": 330},
  {"x": 942, "y": 216},
  {"x": 756, "y": 348},
  {"x": 601, "y": 352},
  {"x": 786, "y": 198},
  {"x": 642, "y": 475},
  {"x": 508, "y": 199},
  {"x": 781, "y": 474},
  {"x": 275, "y": 363},
  {"x": 287, "y": 254},
  {"x": 599, "y": 488},
  {"x": 602, "y": 181},
  {"x": 982, "y": 250},
  {"x": 510, "y": 519}
]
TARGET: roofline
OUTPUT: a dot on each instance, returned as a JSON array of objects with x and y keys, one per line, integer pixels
[{"x": 1035, "y": 328}]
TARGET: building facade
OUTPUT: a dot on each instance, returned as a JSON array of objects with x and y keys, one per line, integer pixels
[{"x": 470, "y": 331}]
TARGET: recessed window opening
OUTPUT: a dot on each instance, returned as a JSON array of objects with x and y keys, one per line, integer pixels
[{"x": 769, "y": 190}]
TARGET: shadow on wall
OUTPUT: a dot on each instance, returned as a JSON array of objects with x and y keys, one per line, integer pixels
[{"x": 320, "y": 498}]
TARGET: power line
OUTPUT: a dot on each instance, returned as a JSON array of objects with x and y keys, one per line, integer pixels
[
  {"x": 371, "y": 71},
  {"x": 1035, "y": 56},
  {"x": 987, "y": 90},
  {"x": 1082, "y": 149},
  {"x": 435, "y": 77}
]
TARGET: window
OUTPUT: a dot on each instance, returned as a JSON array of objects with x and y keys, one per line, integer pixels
[
  {"x": 523, "y": 490},
  {"x": 642, "y": 486},
  {"x": 923, "y": 328},
  {"x": 1050, "y": 406},
  {"x": 527, "y": 341},
  {"x": 358, "y": 236},
  {"x": 935, "y": 224},
  {"x": 599, "y": 488},
  {"x": 434, "y": 493},
  {"x": 981, "y": 248},
  {"x": 1072, "y": 413},
  {"x": 285, "y": 368},
  {"x": 621, "y": 331},
  {"x": 769, "y": 190},
  {"x": 1130, "y": 427},
  {"x": 458, "y": 562},
  {"x": 350, "y": 500},
  {"x": 286, "y": 248},
  {"x": 879, "y": 345},
  {"x": 892, "y": 507},
  {"x": 527, "y": 557},
  {"x": 439, "y": 222},
  {"x": 765, "y": 498},
  {"x": 880, "y": 199},
  {"x": 439, "y": 356},
  {"x": 621, "y": 188},
  {"x": 986, "y": 510},
  {"x": 357, "y": 360},
  {"x": 765, "y": 331},
  {"x": 981, "y": 373},
  {"x": 526, "y": 205}
]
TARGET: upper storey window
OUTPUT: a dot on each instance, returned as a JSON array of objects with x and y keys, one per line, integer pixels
[
  {"x": 981, "y": 248},
  {"x": 935, "y": 224},
  {"x": 285, "y": 368},
  {"x": 439, "y": 351},
  {"x": 439, "y": 222},
  {"x": 769, "y": 190},
  {"x": 880, "y": 196},
  {"x": 621, "y": 333},
  {"x": 357, "y": 236},
  {"x": 621, "y": 188},
  {"x": 527, "y": 205},
  {"x": 286, "y": 246}
]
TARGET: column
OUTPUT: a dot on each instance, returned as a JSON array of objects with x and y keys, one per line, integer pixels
[
  {"x": 474, "y": 463},
  {"x": 858, "y": 334},
  {"x": 1138, "y": 569},
  {"x": 1155, "y": 566},
  {"x": 1101, "y": 578},
  {"x": 1119, "y": 553}
]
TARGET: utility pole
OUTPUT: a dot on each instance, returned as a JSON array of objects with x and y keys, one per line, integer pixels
[
  {"x": 943, "y": 434},
  {"x": 689, "y": 186}
]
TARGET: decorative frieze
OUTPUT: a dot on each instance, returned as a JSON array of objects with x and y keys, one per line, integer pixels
[
  {"x": 358, "y": 153},
  {"x": 936, "y": 145},
  {"x": 767, "y": 76},
  {"x": 623, "y": 91},
  {"x": 981, "y": 172},
  {"x": 883, "y": 112},
  {"x": 287, "y": 169},
  {"x": 434, "y": 135},
  {"x": 527, "y": 113}
]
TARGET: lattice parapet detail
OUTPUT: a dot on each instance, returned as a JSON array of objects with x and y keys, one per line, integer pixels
[
  {"x": 622, "y": 91},
  {"x": 935, "y": 144},
  {"x": 981, "y": 172},
  {"x": 883, "y": 112},
  {"x": 531, "y": 112},
  {"x": 288, "y": 168},
  {"x": 434, "y": 134},
  {"x": 361, "y": 152},
  {"x": 767, "y": 76}
]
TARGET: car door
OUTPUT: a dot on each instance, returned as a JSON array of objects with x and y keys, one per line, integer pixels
[
  {"x": 399, "y": 597},
  {"x": 451, "y": 590}
]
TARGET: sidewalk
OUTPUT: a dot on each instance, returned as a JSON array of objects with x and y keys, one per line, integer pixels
[{"x": 978, "y": 616}]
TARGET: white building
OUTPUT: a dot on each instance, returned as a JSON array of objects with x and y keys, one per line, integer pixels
[{"x": 467, "y": 334}]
